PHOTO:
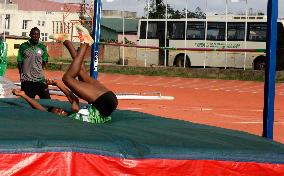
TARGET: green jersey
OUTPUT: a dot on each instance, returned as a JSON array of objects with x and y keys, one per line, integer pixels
[{"x": 90, "y": 114}]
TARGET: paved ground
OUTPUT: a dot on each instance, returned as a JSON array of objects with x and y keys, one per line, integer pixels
[{"x": 229, "y": 104}]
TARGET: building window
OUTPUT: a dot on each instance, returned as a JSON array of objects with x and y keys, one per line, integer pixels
[
  {"x": 16, "y": 46},
  {"x": 57, "y": 26},
  {"x": 24, "y": 34},
  {"x": 41, "y": 23},
  {"x": 25, "y": 24},
  {"x": 44, "y": 37},
  {"x": 7, "y": 21},
  {"x": 53, "y": 27}
]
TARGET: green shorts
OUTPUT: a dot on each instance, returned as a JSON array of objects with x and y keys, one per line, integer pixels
[{"x": 90, "y": 114}]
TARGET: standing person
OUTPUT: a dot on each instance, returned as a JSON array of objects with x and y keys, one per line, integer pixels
[
  {"x": 32, "y": 59},
  {"x": 102, "y": 101}
]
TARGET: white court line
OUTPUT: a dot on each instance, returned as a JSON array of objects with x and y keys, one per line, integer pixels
[
  {"x": 206, "y": 109},
  {"x": 184, "y": 83},
  {"x": 132, "y": 108},
  {"x": 131, "y": 81},
  {"x": 170, "y": 83},
  {"x": 255, "y": 122},
  {"x": 200, "y": 84},
  {"x": 109, "y": 81},
  {"x": 197, "y": 84},
  {"x": 145, "y": 82}
]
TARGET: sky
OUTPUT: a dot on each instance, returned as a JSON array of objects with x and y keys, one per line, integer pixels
[{"x": 213, "y": 6}]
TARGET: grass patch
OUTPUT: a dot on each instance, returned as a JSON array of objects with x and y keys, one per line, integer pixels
[{"x": 208, "y": 73}]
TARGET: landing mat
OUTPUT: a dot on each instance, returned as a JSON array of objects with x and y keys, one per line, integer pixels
[{"x": 132, "y": 143}]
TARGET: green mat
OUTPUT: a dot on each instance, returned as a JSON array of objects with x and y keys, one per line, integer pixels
[{"x": 129, "y": 135}]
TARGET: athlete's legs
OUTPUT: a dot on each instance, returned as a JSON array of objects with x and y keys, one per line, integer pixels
[
  {"x": 69, "y": 78},
  {"x": 69, "y": 45},
  {"x": 83, "y": 76},
  {"x": 75, "y": 66},
  {"x": 87, "y": 89}
]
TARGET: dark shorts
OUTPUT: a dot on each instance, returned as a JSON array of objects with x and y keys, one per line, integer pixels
[
  {"x": 35, "y": 88},
  {"x": 106, "y": 103}
]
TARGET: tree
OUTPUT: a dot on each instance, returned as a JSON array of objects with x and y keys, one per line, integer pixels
[
  {"x": 198, "y": 13},
  {"x": 157, "y": 10},
  {"x": 260, "y": 13}
]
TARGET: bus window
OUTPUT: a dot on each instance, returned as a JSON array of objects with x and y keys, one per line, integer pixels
[
  {"x": 216, "y": 31},
  {"x": 236, "y": 32},
  {"x": 195, "y": 31},
  {"x": 152, "y": 30},
  {"x": 177, "y": 30},
  {"x": 257, "y": 32}
]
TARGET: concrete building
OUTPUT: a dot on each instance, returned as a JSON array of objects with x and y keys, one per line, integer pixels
[
  {"x": 19, "y": 16},
  {"x": 118, "y": 14}
]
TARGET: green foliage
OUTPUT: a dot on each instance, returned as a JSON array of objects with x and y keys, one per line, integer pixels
[
  {"x": 208, "y": 73},
  {"x": 157, "y": 10}
]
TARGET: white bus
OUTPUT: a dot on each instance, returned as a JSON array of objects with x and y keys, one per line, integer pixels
[{"x": 210, "y": 35}]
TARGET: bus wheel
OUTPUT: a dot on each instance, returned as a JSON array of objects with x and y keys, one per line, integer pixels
[
  {"x": 179, "y": 62},
  {"x": 259, "y": 64}
]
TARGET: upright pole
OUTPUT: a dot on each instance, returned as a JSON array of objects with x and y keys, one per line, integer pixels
[
  {"x": 147, "y": 28},
  {"x": 270, "y": 70},
  {"x": 166, "y": 31},
  {"x": 123, "y": 36},
  {"x": 96, "y": 35},
  {"x": 246, "y": 31},
  {"x": 226, "y": 35},
  {"x": 185, "y": 34},
  {"x": 206, "y": 28},
  {"x": 4, "y": 21}
]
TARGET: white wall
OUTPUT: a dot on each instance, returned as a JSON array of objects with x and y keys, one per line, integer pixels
[
  {"x": 130, "y": 37},
  {"x": 17, "y": 17}
]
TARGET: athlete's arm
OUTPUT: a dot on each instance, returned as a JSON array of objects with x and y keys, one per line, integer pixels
[
  {"x": 34, "y": 104},
  {"x": 70, "y": 95}
]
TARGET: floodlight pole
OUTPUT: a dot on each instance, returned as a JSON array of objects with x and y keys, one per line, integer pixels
[
  {"x": 185, "y": 34},
  {"x": 166, "y": 31},
  {"x": 4, "y": 20},
  {"x": 270, "y": 70},
  {"x": 147, "y": 28},
  {"x": 96, "y": 35}
]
